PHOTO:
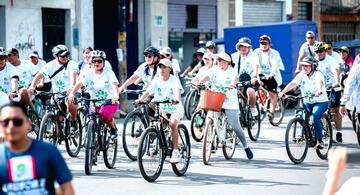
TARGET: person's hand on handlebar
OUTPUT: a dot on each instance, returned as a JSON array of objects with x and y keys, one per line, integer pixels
[
  {"x": 281, "y": 94},
  {"x": 174, "y": 101}
]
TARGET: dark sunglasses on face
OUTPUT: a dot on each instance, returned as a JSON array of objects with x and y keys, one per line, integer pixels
[
  {"x": 264, "y": 43},
  {"x": 17, "y": 122},
  {"x": 65, "y": 56},
  {"x": 319, "y": 51},
  {"x": 33, "y": 57},
  {"x": 9, "y": 55},
  {"x": 309, "y": 37},
  {"x": 148, "y": 56},
  {"x": 97, "y": 61},
  {"x": 2, "y": 58}
]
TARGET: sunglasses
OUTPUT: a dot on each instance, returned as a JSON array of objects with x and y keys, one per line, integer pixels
[
  {"x": 319, "y": 51},
  {"x": 148, "y": 56},
  {"x": 207, "y": 59},
  {"x": 264, "y": 43},
  {"x": 17, "y": 122},
  {"x": 9, "y": 55},
  {"x": 33, "y": 57},
  {"x": 97, "y": 61},
  {"x": 65, "y": 56},
  {"x": 2, "y": 58},
  {"x": 309, "y": 37}
]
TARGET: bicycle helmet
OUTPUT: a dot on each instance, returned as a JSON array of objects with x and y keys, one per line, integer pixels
[
  {"x": 152, "y": 51},
  {"x": 201, "y": 51},
  {"x": 319, "y": 46},
  {"x": 97, "y": 53},
  {"x": 265, "y": 37},
  {"x": 310, "y": 60},
  {"x": 3, "y": 51},
  {"x": 210, "y": 44},
  {"x": 60, "y": 50}
]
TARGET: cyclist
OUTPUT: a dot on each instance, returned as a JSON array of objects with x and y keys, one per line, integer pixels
[
  {"x": 306, "y": 49},
  {"x": 244, "y": 66},
  {"x": 330, "y": 51},
  {"x": 330, "y": 69},
  {"x": 346, "y": 64},
  {"x": 101, "y": 84},
  {"x": 9, "y": 76},
  {"x": 312, "y": 86},
  {"x": 208, "y": 59},
  {"x": 63, "y": 73},
  {"x": 210, "y": 46},
  {"x": 224, "y": 78},
  {"x": 85, "y": 65},
  {"x": 28, "y": 166},
  {"x": 147, "y": 71},
  {"x": 196, "y": 63},
  {"x": 26, "y": 73},
  {"x": 167, "y": 53},
  {"x": 167, "y": 87},
  {"x": 268, "y": 63},
  {"x": 39, "y": 63}
]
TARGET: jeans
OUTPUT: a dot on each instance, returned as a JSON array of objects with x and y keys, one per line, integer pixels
[{"x": 316, "y": 110}]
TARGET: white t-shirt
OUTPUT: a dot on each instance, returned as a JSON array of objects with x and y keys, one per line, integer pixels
[
  {"x": 41, "y": 63},
  {"x": 146, "y": 78},
  {"x": 5, "y": 77},
  {"x": 310, "y": 85},
  {"x": 166, "y": 90},
  {"x": 205, "y": 71},
  {"x": 221, "y": 79},
  {"x": 352, "y": 92},
  {"x": 326, "y": 66},
  {"x": 4, "y": 99},
  {"x": 336, "y": 57},
  {"x": 304, "y": 50},
  {"x": 99, "y": 85},
  {"x": 269, "y": 63},
  {"x": 61, "y": 81},
  {"x": 26, "y": 71},
  {"x": 246, "y": 63},
  {"x": 175, "y": 65}
]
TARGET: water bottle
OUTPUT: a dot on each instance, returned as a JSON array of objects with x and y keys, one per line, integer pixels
[{"x": 38, "y": 107}]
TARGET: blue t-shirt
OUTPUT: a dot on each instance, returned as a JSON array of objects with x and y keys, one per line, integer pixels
[{"x": 33, "y": 171}]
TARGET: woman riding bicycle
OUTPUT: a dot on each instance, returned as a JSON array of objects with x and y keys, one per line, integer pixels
[
  {"x": 167, "y": 87},
  {"x": 146, "y": 71},
  {"x": 208, "y": 59},
  {"x": 102, "y": 84},
  {"x": 312, "y": 86},
  {"x": 224, "y": 78}
]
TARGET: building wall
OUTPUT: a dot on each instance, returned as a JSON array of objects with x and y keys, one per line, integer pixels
[
  {"x": 223, "y": 16},
  {"x": 23, "y": 24},
  {"x": 315, "y": 11}
]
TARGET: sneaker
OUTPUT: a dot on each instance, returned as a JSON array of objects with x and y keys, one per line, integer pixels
[
  {"x": 254, "y": 111},
  {"x": 339, "y": 137},
  {"x": 113, "y": 133},
  {"x": 249, "y": 153},
  {"x": 73, "y": 126},
  {"x": 175, "y": 157},
  {"x": 213, "y": 149},
  {"x": 319, "y": 145}
]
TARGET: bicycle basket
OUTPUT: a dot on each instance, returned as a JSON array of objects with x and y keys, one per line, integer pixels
[{"x": 211, "y": 100}]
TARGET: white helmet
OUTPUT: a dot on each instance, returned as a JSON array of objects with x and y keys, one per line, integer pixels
[
  {"x": 3, "y": 51},
  {"x": 98, "y": 53}
]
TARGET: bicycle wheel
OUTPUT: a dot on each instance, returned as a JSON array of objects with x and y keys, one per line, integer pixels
[
  {"x": 134, "y": 125},
  {"x": 197, "y": 125},
  {"x": 109, "y": 149},
  {"x": 207, "y": 144},
  {"x": 193, "y": 102},
  {"x": 262, "y": 102},
  {"x": 326, "y": 138},
  {"x": 90, "y": 147},
  {"x": 181, "y": 167},
  {"x": 254, "y": 123},
  {"x": 73, "y": 140},
  {"x": 186, "y": 98},
  {"x": 354, "y": 119},
  {"x": 296, "y": 142},
  {"x": 150, "y": 155},
  {"x": 278, "y": 113},
  {"x": 35, "y": 126},
  {"x": 229, "y": 146},
  {"x": 47, "y": 131},
  {"x": 357, "y": 127}
]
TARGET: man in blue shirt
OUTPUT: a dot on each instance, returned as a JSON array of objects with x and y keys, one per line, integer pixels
[{"x": 28, "y": 166}]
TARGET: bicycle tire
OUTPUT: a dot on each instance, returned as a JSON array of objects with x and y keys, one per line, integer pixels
[
  {"x": 89, "y": 147},
  {"x": 279, "y": 113},
  {"x": 262, "y": 105},
  {"x": 357, "y": 127},
  {"x": 181, "y": 167},
  {"x": 186, "y": 98},
  {"x": 35, "y": 126},
  {"x": 150, "y": 138},
  {"x": 326, "y": 138},
  {"x": 195, "y": 120},
  {"x": 254, "y": 123},
  {"x": 109, "y": 149},
  {"x": 298, "y": 138},
  {"x": 74, "y": 138},
  {"x": 208, "y": 140},
  {"x": 229, "y": 146},
  {"x": 192, "y": 102},
  {"x": 48, "y": 120},
  {"x": 132, "y": 135},
  {"x": 354, "y": 119}
]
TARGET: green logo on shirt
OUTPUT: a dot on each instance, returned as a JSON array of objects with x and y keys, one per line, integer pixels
[
  {"x": 101, "y": 94},
  {"x": 60, "y": 84}
]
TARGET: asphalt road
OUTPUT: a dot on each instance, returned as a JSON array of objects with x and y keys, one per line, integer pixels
[{"x": 270, "y": 172}]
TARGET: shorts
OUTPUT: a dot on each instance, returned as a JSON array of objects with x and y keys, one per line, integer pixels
[
  {"x": 107, "y": 112},
  {"x": 270, "y": 85},
  {"x": 334, "y": 98},
  {"x": 61, "y": 101},
  {"x": 46, "y": 87},
  {"x": 173, "y": 116}
]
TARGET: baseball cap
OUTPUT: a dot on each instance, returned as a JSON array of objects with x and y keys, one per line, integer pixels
[
  {"x": 166, "y": 50},
  {"x": 224, "y": 56},
  {"x": 34, "y": 54},
  {"x": 12, "y": 51},
  {"x": 165, "y": 62},
  {"x": 311, "y": 33},
  {"x": 344, "y": 48}
]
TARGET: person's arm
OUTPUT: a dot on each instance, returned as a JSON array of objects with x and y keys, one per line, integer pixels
[
  {"x": 14, "y": 84},
  {"x": 319, "y": 84},
  {"x": 187, "y": 70},
  {"x": 204, "y": 79},
  {"x": 115, "y": 88},
  {"x": 39, "y": 76},
  {"x": 73, "y": 77},
  {"x": 196, "y": 68},
  {"x": 301, "y": 56},
  {"x": 336, "y": 72},
  {"x": 67, "y": 189},
  {"x": 128, "y": 82},
  {"x": 143, "y": 97},
  {"x": 138, "y": 81},
  {"x": 292, "y": 85}
]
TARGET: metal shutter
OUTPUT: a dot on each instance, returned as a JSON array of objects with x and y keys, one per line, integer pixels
[
  {"x": 207, "y": 18},
  {"x": 176, "y": 17},
  {"x": 262, "y": 12}
]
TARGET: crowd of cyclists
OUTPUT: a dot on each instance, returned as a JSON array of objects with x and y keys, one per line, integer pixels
[{"x": 326, "y": 79}]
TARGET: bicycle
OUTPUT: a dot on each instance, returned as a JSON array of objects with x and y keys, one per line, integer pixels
[
  {"x": 197, "y": 121},
  {"x": 55, "y": 130},
  {"x": 300, "y": 134},
  {"x": 156, "y": 144},
  {"x": 98, "y": 139},
  {"x": 217, "y": 125},
  {"x": 251, "y": 123},
  {"x": 135, "y": 123}
]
